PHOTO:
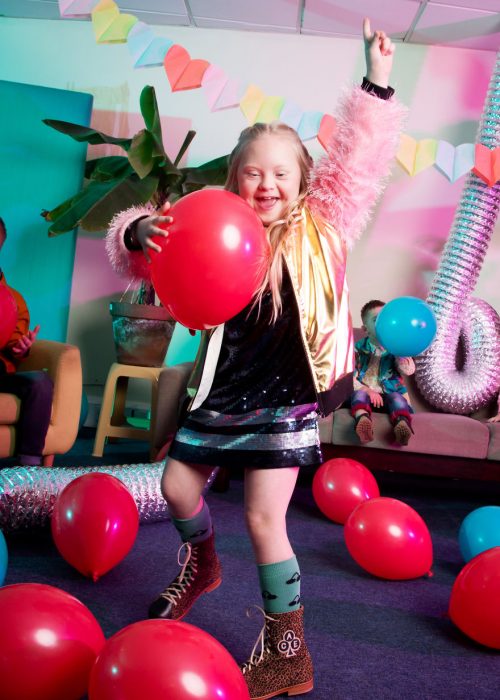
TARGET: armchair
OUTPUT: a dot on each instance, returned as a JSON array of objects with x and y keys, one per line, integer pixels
[{"x": 63, "y": 364}]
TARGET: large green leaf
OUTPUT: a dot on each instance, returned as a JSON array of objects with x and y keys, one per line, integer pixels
[
  {"x": 212, "y": 173},
  {"x": 107, "y": 168},
  {"x": 58, "y": 211},
  {"x": 151, "y": 116},
  {"x": 86, "y": 134},
  {"x": 140, "y": 153},
  {"x": 66, "y": 218},
  {"x": 95, "y": 205},
  {"x": 129, "y": 192}
]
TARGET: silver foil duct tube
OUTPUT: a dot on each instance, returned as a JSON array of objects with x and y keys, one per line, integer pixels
[
  {"x": 466, "y": 324},
  {"x": 28, "y": 494}
]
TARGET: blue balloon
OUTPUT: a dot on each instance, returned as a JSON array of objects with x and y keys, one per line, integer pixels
[
  {"x": 479, "y": 531},
  {"x": 4, "y": 558},
  {"x": 406, "y": 326}
]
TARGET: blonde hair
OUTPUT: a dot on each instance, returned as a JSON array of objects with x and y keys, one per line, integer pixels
[{"x": 278, "y": 231}]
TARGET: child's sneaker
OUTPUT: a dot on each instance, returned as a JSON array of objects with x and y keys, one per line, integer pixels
[
  {"x": 402, "y": 432},
  {"x": 364, "y": 428}
]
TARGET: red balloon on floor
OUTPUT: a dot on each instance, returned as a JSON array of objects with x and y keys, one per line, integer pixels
[
  {"x": 213, "y": 261},
  {"x": 160, "y": 659},
  {"x": 341, "y": 484},
  {"x": 94, "y": 523},
  {"x": 8, "y": 315},
  {"x": 475, "y": 599},
  {"x": 389, "y": 539},
  {"x": 49, "y": 642}
]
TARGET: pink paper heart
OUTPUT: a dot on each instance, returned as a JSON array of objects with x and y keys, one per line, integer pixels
[{"x": 326, "y": 129}]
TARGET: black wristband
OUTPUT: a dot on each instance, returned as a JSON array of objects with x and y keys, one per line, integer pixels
[
  {"x": 383, "y": 93},
  {"x": 129, "y": 239}
]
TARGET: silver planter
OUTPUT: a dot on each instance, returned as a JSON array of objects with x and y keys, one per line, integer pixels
[{"x": 141, "y": 332}]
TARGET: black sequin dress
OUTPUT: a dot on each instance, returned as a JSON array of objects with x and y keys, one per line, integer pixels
[{"x": 261, "y": 410}]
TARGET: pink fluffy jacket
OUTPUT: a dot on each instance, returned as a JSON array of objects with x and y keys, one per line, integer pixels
[{"x": 344, "y": 184}]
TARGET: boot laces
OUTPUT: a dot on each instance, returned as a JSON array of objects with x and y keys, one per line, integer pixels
[
  {"x": 186, "y": 575},
  {"x": 263, "y": 639}
]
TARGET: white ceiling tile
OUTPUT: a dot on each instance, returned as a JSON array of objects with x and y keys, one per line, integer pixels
[
  {"x": 257, "y": 13},
  {"x": 345, "y": 17},
  {"x": 447, "y": 25}
]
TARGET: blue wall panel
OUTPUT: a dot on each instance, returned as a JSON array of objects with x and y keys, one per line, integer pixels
[{"x": 39, "y": 168}]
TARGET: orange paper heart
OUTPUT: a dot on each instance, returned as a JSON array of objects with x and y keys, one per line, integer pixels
[
  {"x": 326, "y": 129},
  {"x": 183, "y": 73}
]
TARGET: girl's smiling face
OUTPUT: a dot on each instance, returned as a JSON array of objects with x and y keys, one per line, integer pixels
[{"x": 269, "y": 176}]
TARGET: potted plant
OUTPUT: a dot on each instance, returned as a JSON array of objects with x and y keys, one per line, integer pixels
[{"x": 113, "y": 183}]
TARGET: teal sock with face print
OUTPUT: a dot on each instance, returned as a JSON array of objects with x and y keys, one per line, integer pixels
[{"x": 280, "y": 586}]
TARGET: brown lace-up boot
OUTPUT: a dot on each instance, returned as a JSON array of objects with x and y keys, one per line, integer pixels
[
  {"x": 284, "y": 664},
  {"x": 200, "y": 573}
]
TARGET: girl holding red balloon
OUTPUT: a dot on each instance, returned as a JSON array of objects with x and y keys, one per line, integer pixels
[{"x": 262, "y": 377}]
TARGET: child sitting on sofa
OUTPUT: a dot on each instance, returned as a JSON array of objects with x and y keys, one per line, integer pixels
[{"x": 378, "y": 382}]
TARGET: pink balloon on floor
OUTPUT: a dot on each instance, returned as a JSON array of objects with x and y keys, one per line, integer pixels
[
  {"x": 389, "y": 539},
  {"x": 49, "y": 642},
  {"x": 213, "y": 261},
  {"x": 162, "y": 659},
  {"x": 341, "y": 484},
  {"x": 8, "y": 315},
  {"x": 475, "y": 599},
  {"x": 94, "y": 523}
]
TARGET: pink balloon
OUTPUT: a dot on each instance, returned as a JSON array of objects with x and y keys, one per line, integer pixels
[
  {"x": 389, "y": 539},
  {"x": 213, "y": 260},
  {"x": 49, "y": 642},
  {"x": 165, "y": 660},
  {"x": 94, "y": 523},
  {"x": 341, "y": 484},
  {"x": 8, "y": 315},
  {"x": 475, "y": 599}
]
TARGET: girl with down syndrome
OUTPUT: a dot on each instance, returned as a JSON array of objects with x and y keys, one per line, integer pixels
[{"x": 261, "y": 379}]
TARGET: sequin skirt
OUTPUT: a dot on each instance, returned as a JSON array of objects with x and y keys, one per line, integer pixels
[{"x": 265, "y": 438}]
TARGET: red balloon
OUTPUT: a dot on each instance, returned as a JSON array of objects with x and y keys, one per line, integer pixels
[
  {"x": 159, "y": 659},
  {"x": 213, "y": 261},
  {"x": 475, "y": 602},
  {"x": 49, "y": 642},
  {"x": 8, "y": 315},
  {"x": 94, "y": 523},
  {"x": 389, "y": 539},
  {"x": 340, "y": 485}
]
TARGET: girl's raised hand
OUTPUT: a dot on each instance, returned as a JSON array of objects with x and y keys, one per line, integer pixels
[
  {"x": 379, "y": 52},
  {"x": 150, "y": 226}
]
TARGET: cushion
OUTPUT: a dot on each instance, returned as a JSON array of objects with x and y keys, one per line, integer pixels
[
  {"x": 9, "y": 409},
  {"x": 435, "y": 433}
]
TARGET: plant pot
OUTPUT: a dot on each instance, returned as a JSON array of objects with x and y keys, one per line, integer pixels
[{"x": 141, "y": 333}]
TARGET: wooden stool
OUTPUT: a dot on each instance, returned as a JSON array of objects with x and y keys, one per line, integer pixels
[{"x": 112, "y": 421}]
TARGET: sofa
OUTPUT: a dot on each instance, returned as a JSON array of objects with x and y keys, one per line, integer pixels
[
  {"x": 444, "y": 444},
  {"x": 63, "y": 364}
]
